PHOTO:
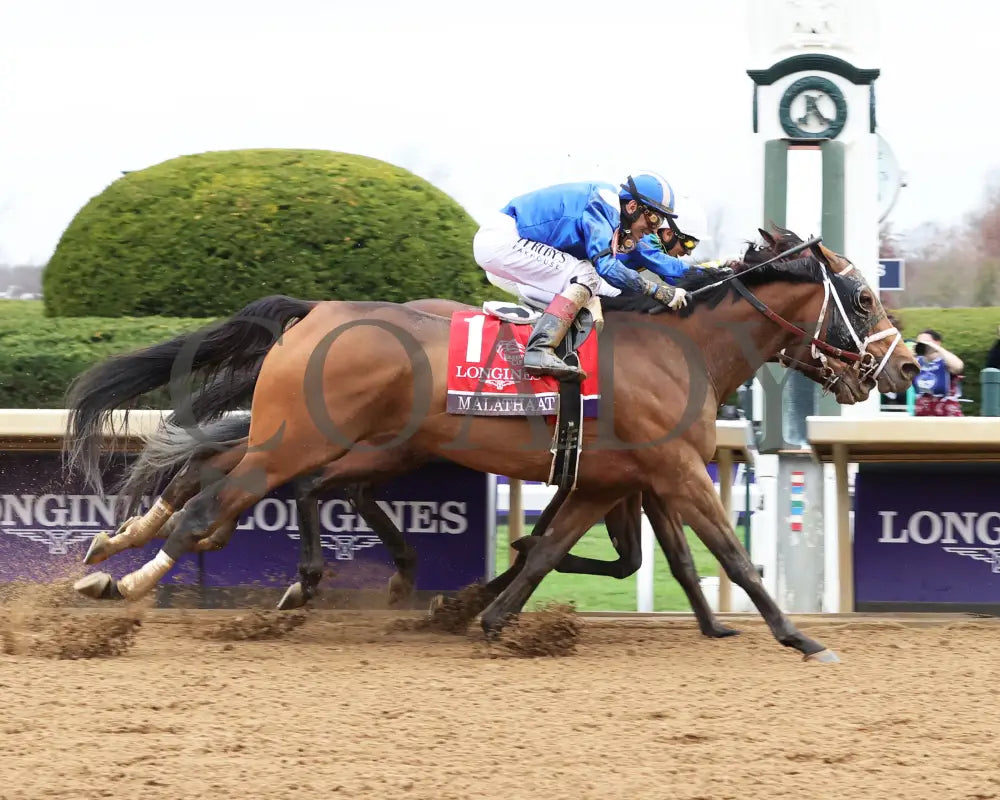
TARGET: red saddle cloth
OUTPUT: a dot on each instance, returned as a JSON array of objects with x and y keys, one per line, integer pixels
[{"x": 486, "y": 374}]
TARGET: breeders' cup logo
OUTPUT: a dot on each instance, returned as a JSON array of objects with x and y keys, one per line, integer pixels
[
  {"x": 511, "y": 351},
  {"x": 969, "y": 534}
]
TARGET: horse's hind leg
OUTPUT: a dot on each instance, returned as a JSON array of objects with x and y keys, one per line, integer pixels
[
  {"x": 624, "y": 529},
  {"x": 571, "y": 521},
  {"x": 670, "y": 534},
  {"x": 138, "y": 531},
  {"x": 403, "y": 555},
  {"x": 311, "y": 561},
  {"x": 701, "y": 508},
  {"x": 473, "y": 606}
]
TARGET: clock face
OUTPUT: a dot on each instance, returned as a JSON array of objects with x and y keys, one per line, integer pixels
[{"x": 813, "y": 108}]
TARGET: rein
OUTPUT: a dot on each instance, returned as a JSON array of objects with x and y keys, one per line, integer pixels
[{"x": 868, "y": 368}]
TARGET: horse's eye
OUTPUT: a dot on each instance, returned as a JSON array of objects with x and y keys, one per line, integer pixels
[{"x": 864, "y": 300}]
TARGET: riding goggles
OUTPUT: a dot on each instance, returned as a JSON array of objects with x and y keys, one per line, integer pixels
[{"x": 689, "y": 243}]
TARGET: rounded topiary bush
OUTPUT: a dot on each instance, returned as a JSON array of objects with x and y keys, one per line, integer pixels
[{"x": 204, "y": 235}]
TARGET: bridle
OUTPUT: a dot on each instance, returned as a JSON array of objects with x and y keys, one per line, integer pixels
[{"x": 869, "y": 368}]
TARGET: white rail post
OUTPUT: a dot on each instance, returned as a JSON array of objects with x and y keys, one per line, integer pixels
[
  {"x": 515, "y": 518},
  {"x": 644, "y": 578}
]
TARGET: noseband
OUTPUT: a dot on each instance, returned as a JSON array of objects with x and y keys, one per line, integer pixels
[{"x": 868, "y": 367}]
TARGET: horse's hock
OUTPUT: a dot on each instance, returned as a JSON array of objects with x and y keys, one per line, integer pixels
[{"x": 343, "y": 707}]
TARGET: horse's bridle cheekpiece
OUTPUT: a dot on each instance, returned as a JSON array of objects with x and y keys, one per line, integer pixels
[{"x": 868, "y": 367}]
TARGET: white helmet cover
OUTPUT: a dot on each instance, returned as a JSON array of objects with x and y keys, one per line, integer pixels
[{"x": 691, "y": 218}]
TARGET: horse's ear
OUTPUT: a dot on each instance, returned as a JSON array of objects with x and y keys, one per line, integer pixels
[
  {"x": 836, "y": 261},
  {"x": 767, "y": 237},
  {"x": 821, "y": 253}
]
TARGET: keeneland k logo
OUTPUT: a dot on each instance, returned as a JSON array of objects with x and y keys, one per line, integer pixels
[{"x": 812, "y": 110}]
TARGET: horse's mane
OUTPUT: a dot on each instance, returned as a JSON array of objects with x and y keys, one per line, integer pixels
[{"x": 799, "y": 270}]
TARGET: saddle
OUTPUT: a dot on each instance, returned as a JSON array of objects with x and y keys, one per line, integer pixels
[{"x": 568, "y": 435}]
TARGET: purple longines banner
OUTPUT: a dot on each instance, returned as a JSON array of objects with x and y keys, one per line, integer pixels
[
  {"x": 926, "y": 536},
  {"x": 445, "y": 511}
]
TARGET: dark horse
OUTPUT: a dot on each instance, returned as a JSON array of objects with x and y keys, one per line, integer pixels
[{"x": 379, "y": 378}]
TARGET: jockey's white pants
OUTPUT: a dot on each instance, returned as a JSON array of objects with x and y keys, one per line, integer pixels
[{"x": 536, "y": 271}]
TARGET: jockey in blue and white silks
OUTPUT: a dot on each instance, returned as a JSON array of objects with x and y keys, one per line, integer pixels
[
  {"x": 663, "y": 253},
  {"x": 564, "y": 241}
]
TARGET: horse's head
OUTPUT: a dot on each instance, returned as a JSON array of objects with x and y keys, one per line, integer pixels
[
  {"x": 833, "y": 374},
  {"x": 854, "y": 320}
]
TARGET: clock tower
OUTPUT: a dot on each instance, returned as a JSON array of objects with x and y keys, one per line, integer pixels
[{"x": 813, "y": 112}]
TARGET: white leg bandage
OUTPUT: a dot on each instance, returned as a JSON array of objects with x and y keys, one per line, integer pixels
[{"x": 139, "y": 583}]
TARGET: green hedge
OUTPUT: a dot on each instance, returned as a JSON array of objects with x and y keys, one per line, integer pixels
[
  {"x": 203, "y": 235},
  {"x": 39, "y": 356},
  {"x": 967, "y": 332}
]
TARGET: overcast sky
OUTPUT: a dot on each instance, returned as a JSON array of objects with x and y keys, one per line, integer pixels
[{"x": 485, "y": 99}]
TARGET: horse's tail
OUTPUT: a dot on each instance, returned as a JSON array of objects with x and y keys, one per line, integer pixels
[
  {"x": 231, "y": 344},
  {"x": 225, "y": 392},
  {"x": 170, "y": 449}
]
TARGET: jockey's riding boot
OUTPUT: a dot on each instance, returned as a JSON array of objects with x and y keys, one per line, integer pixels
[{"x": 539, "y": 356}]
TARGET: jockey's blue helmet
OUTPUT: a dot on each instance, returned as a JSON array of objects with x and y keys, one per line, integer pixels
[{"x": 652, "y": 191}]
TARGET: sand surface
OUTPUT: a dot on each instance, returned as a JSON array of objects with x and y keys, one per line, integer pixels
[{"x": 347, "y": 705}]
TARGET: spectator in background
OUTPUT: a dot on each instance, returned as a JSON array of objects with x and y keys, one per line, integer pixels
[
  {"x": 993, "y": 357},
  {"x": 936, "y": 386}
]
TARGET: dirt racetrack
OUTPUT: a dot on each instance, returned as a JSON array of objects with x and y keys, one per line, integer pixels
[{"x": 344, "y": 706}]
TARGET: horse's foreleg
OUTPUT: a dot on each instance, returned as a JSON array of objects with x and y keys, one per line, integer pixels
[
  {"x": 669, "y": 533},
  {"x": 574, "y": 518},
  {"x": 701, "y": 508},
  {"x": 138, "y": 531}
]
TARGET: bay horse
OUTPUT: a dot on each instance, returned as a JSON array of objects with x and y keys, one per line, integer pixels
[
  {"x": 172, "y": 449},
  {"x": 332, "y": 384}
]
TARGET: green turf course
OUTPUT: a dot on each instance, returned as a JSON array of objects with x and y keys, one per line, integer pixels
[{"x": 597, "y": 593}]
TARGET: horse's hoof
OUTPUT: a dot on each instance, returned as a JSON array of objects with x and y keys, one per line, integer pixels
[
  {"x": 823, "y": 657},
  {"x": 721, "y": 632},
  {"x": 98, "y": 586},
  {"x": 525, "y": 544},
  {"x": 400, "y": 590},
  {"x": 437, "y": 602},
  {"x": 98, "y": 550},
  {"x": 493, "y": 623},
  {"x": 294, "y": 597},
  {"x": 491, "y": 630}
]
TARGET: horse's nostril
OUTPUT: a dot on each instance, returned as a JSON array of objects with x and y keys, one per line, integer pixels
[{"x": 909, "y": 370}]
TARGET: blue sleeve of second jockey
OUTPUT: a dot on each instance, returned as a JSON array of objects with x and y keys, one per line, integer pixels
[
  {"x": 647, "y": 255},
  {"x": 597, "y": 232}
]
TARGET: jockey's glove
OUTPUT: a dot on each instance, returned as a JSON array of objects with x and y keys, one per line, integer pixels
[
  {"x": 718, "y": 263},
  {"x": 672, "y": 297}
]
